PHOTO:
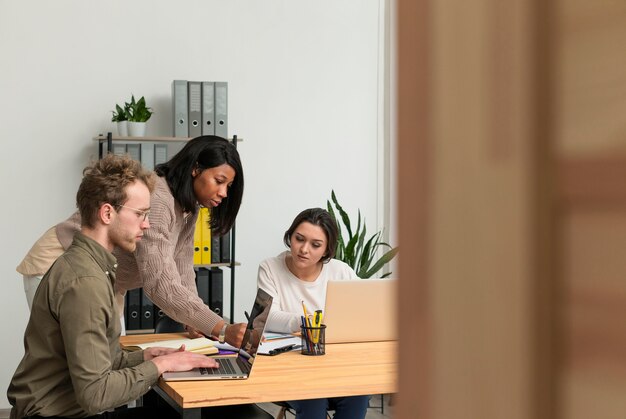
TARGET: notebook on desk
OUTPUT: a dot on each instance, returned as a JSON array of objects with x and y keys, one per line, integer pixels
[
  {"x": 239, "y": 367},
  {"x": 360, "y": 310}
]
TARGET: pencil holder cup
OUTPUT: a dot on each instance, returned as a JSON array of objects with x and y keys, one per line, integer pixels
[{"x": 313, "y": 340}]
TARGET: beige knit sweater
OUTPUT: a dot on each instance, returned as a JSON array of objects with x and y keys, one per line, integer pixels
[{"x": 163, "y": 263}]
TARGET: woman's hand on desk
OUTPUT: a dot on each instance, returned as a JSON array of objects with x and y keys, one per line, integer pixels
[{"x": 183, "y": 361}]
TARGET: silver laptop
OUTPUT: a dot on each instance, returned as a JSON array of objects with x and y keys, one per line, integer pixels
[
  {"x": 239, "y": 367},
  {"x": 360, "y": 310}
]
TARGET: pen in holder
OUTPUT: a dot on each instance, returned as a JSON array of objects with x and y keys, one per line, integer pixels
[{"x": 313, "y": 340}]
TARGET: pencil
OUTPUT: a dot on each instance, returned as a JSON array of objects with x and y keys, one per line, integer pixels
[{"x": 307, "y": 322}]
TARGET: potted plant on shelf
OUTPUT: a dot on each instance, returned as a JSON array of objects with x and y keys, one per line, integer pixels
[
  {"x": 355, "y": 249},
  {"x": 138, "y": 115},
  {"x": 120, "y": 116}
]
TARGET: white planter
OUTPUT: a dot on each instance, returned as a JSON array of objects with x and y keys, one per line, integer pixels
[
  {"x": 122, "y": 128},
  {"x": 136, "y": 129}
]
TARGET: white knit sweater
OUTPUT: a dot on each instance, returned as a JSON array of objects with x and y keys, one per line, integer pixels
[{"x": 288, "y": 291}]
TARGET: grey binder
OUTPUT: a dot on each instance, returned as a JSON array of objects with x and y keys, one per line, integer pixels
[
  {"x": 119, "y": 149},
  {"x": 221, "y": 109},
  {"x": 195, "y": 108},
  {"x": 160, "y": 153},
  {"x": 147, "y": 155},
  {"x": 179, "y": 107},
  {"x": 134, "y": 151},
  {"x": 208, "y": 108}
]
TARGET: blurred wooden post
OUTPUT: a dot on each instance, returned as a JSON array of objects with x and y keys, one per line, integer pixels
[{"x": 475, "y": 211}]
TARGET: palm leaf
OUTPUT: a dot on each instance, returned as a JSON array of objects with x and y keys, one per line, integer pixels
[
  {"x": 359, "y": 248},
  {"x": 355, "y": 250},
  {"x": 384, "y": 259},
  {"x": 339, "y": 254},
  {"x": 366, "y": 258},
  {"x": 344, "y": 215}
]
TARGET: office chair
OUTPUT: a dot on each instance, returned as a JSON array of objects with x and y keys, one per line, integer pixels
[
  {"x": 168, "y": 325},
  {"x": 286, "y": 408}
]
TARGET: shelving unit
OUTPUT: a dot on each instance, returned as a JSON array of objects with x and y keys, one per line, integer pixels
[{"x": 105, "y": 145}]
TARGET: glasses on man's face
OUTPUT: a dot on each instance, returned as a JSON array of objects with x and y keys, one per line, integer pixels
[{"x": 140, "y": 213}]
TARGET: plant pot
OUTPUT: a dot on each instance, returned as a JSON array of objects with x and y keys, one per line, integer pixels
[
  {"x": 136, "y": 129},
  {"x": 122, "y": 128}
]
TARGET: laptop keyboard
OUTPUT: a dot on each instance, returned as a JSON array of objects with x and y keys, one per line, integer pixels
[{"x": 226, "y": 367}]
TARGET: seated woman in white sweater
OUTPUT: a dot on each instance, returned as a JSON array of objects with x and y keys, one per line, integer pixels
[{"x": 301, "y": 274}]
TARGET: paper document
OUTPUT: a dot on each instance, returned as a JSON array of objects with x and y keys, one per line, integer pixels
[{"x": 269, "y": 345}]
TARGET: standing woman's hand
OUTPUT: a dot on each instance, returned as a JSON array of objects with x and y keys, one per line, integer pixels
[
  {"x": 234, "y": 333},
  {"x": 193, "y": 333}
]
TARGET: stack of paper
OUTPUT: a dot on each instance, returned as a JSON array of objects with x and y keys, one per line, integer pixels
[{"x": 198, "y": 345}]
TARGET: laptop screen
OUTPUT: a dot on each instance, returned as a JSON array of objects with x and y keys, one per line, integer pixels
[{"x": 256, "y": 325}]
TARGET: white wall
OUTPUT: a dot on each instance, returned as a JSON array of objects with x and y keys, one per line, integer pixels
[{"x": 304, "y": 81}]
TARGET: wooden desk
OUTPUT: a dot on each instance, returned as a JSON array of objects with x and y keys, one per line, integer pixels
[{"x": 347, "y": 369}]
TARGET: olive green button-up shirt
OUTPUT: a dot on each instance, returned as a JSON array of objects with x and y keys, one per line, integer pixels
[{"x": 73, "y": 365}]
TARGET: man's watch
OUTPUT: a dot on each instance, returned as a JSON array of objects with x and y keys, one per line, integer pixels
[{"x": 222, "y": 336}]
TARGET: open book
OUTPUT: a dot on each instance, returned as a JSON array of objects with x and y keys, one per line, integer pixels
[{"x": 198, "y": 345}]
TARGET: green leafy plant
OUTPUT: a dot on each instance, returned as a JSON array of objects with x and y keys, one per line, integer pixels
[
  {"x": 138, "y": 111},
  {"x": 119, "y": 114},
  {"x": 354, "y": 249}
]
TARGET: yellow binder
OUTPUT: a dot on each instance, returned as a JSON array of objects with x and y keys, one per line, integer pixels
[
  {"x": 197, "y": 240},
  {"x": 205, "y": 252}
]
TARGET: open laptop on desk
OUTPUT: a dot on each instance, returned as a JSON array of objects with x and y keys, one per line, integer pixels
[
  {"x": 241, "y": 366},
  {"x": 360, "y": 310}
]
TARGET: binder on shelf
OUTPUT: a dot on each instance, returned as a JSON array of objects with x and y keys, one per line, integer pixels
[
  {"x": 194, "y": 100},
  {"x": 215, "y": 249},
  {"x": 134, "y": 307},
  {"x": 225, "y": 247},
  {"x": 205, "y": 251},
  {"x": 147, "y": 155},
  {"x": 208, "y": 108},
  {"x": 158, "y": 314},
  {"x": 216, "y": 290},
  {"x": 134, "y": 151},
  {"x": 147, "y": 308},
  {"x": 221, "y": 109},
  {"x": 160, "y": 153},
  {"x": 202, "y": 283},
  {"x": 179, "y": 107},
  {"x": 126, "y": 310},
  {"x": 197, "y": 240},
  {"x": 119, "y": 149}
]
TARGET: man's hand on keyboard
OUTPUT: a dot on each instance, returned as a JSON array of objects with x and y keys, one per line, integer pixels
[{"x": 183, "y": 361}]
